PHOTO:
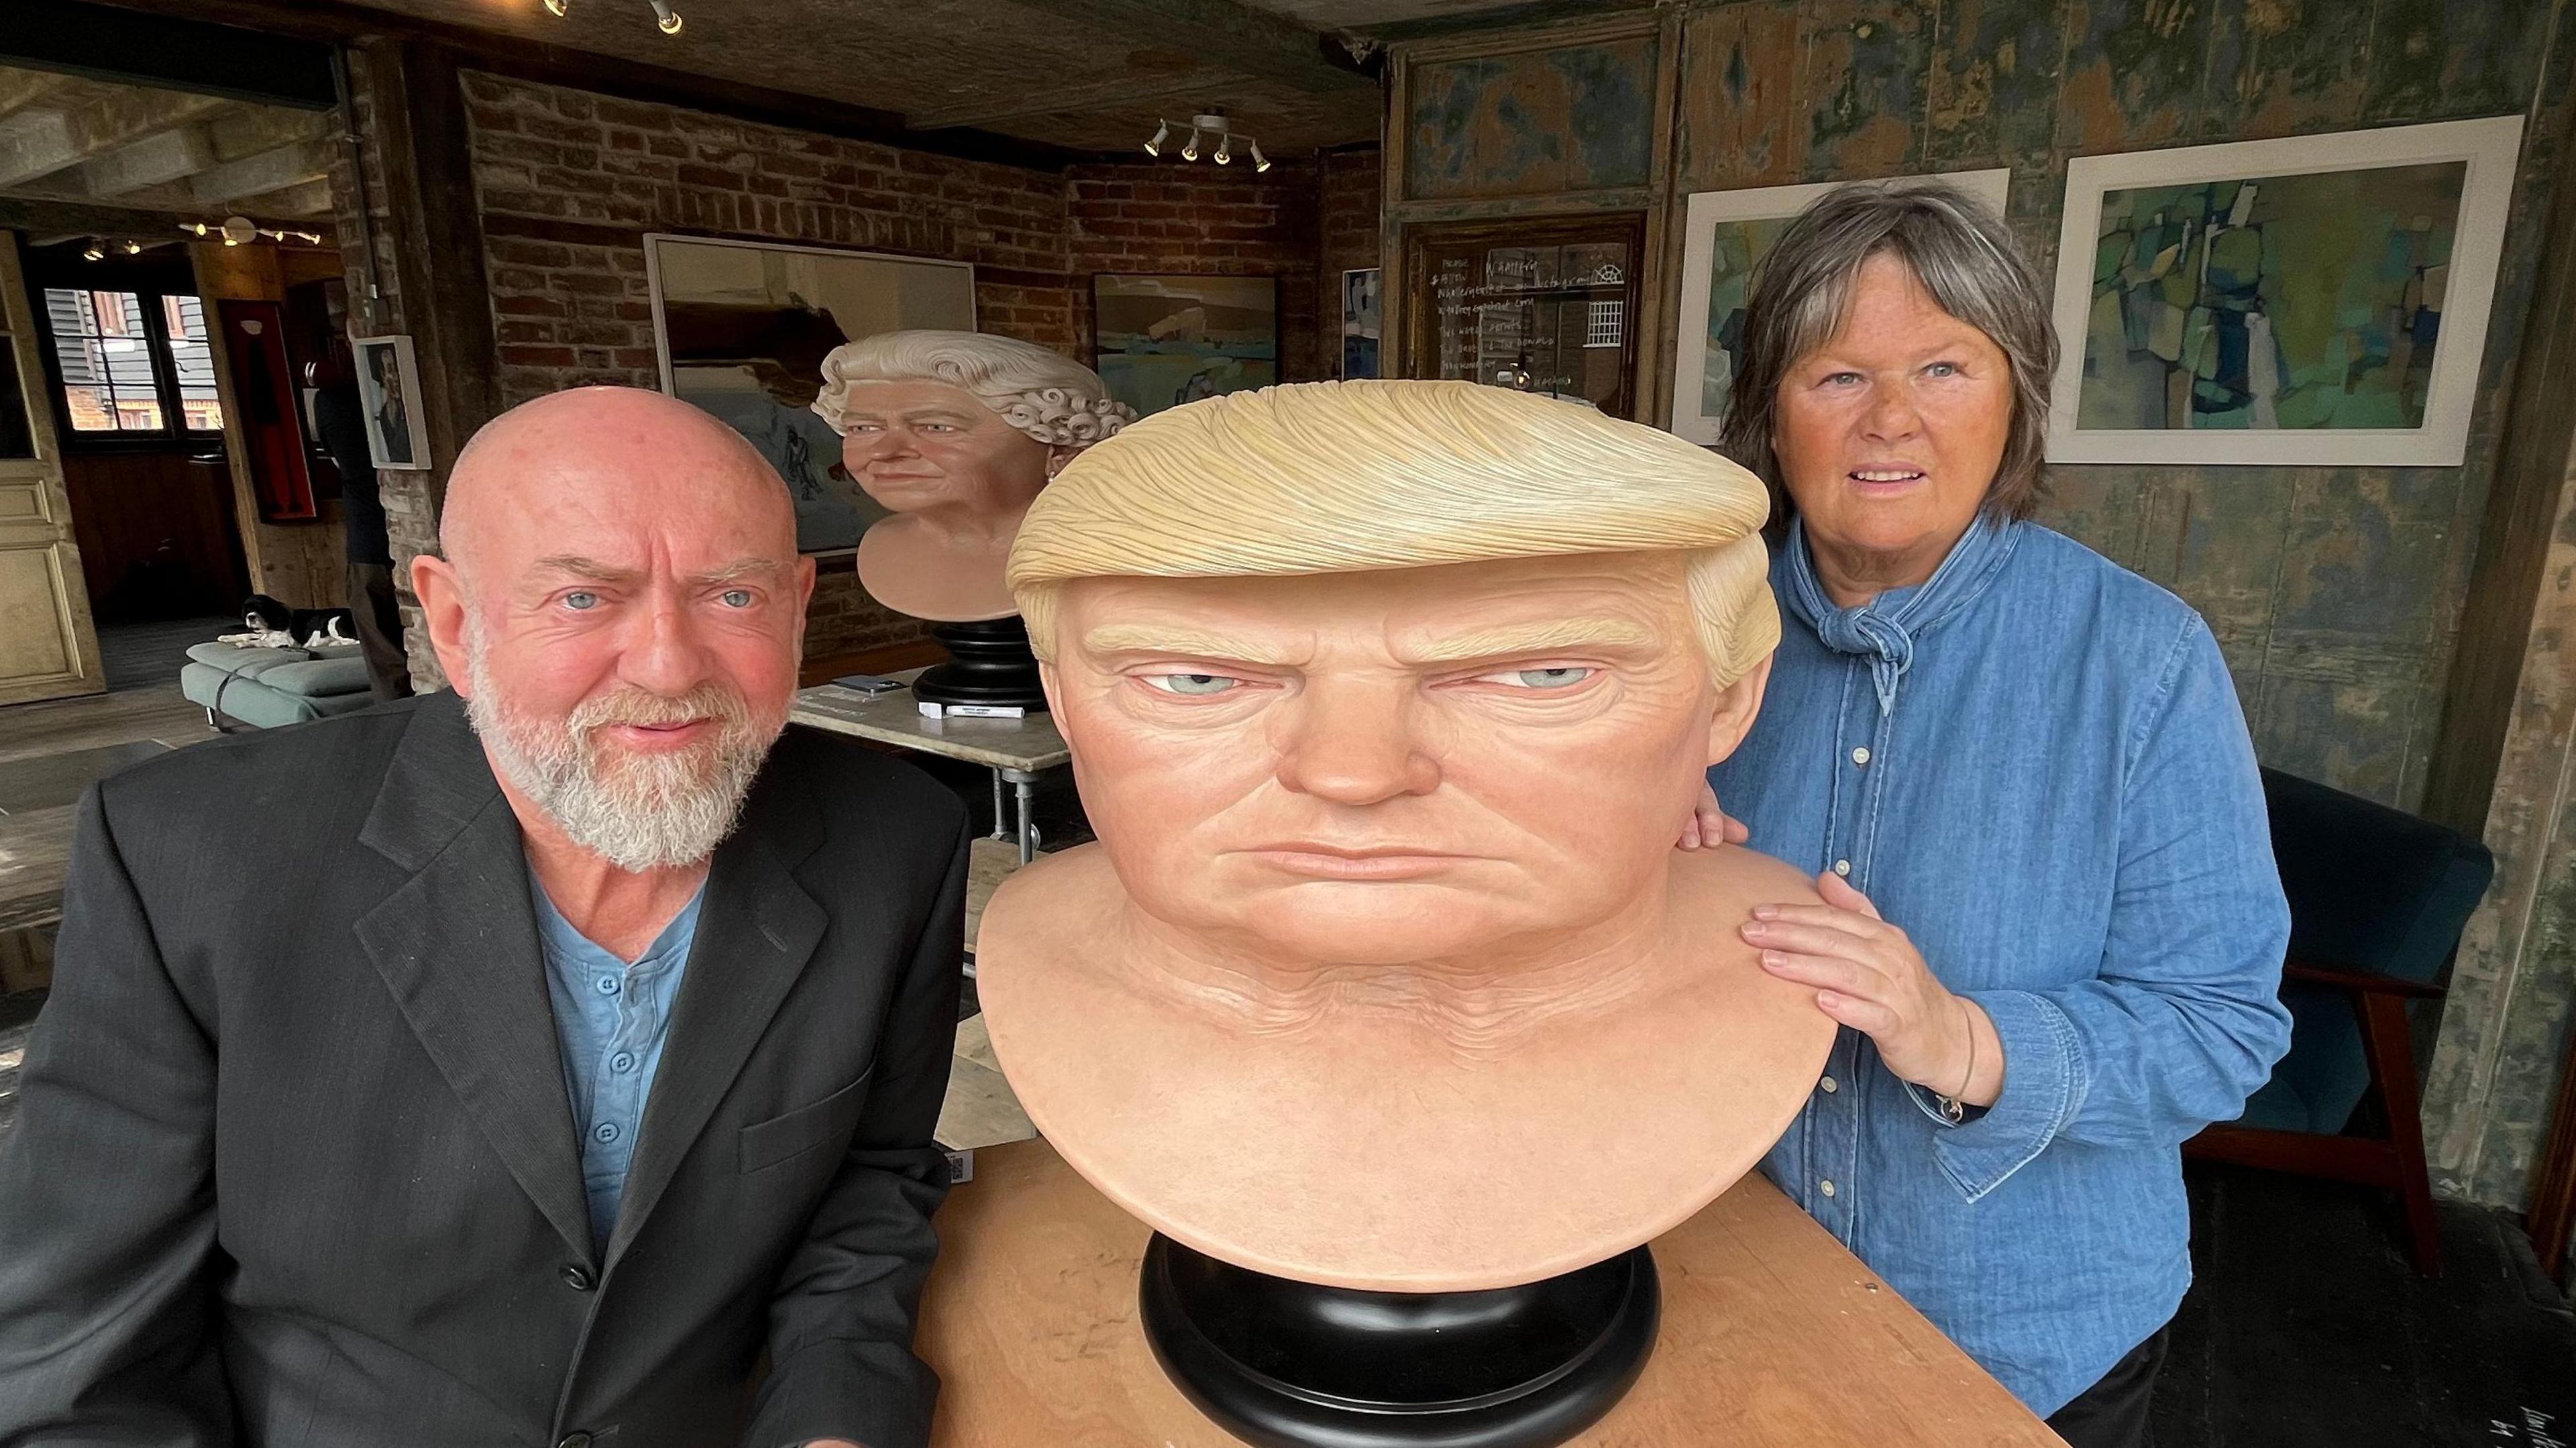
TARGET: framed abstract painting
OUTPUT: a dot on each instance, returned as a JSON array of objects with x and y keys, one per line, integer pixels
[
  {"x": 2312, "y": 300},
  {"x": 1728, "y": 233}
]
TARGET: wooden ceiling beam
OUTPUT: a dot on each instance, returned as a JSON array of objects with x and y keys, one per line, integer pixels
[
  {"x": 1126, "y": 90},
  {"x": 263, "y": 172},
  {"x": 38, "y": 143},
  {"x": 1222, "y": 33},
  {"x": 20, "y": 89}
]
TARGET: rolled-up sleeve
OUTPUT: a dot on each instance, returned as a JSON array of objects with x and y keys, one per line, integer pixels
[{"x": 2184, "y": 1019}]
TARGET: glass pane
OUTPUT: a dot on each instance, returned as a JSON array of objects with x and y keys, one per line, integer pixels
[
  {"x": 194, "y": 362},
  {"x": 107, "y": 373},
  {"x": 16, "y": 439}
]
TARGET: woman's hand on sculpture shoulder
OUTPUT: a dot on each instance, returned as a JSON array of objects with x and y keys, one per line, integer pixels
[
  {"x": 1709, "y": 826},
  {"x": 1867, "y": 975}
]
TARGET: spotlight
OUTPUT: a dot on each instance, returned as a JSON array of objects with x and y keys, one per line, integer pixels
[
  {"x": 1190, "y": 152},
  {"x": 1162, "y": 133},
  {"x": 666, "y": 17},
  {"x": 556, "y": 8},
  {"x": 95, "y": 252},
  {"x": 1259, "y": 162},
  {"x": 134, "y": 248},
  {"x": 1224, "y": 149}
]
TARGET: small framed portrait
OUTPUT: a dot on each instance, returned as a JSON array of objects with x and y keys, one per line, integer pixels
[{"x": 389, "y": 390}]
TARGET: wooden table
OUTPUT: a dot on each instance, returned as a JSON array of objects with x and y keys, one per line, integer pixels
[
  {"x": 1014, "y": 749},
  {"x": 1772, "y": 1334}
]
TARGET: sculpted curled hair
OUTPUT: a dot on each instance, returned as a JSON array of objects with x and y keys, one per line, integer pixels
[
  {"x": 1338, "y": 477},
  {"x": 1052, "y": 398}
]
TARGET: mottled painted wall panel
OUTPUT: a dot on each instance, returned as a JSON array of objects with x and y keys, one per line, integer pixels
[
  {"x": 1580, "y": 118},
  {"x": 2334, "y": 593}
]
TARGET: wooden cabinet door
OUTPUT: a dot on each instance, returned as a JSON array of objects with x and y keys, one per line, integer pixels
[{"x": 48, "y": 648}]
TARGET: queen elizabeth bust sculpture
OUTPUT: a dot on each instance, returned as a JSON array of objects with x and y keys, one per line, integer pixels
[
  {"x": 1387, "y": 701},
  {"x": 956, "y": 433}
]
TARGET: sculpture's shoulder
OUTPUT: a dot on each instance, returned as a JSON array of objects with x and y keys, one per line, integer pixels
[{"x": 1731, "y": 880}]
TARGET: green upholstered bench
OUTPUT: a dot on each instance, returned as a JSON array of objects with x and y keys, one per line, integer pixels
[{"x": 266, "y": 688}]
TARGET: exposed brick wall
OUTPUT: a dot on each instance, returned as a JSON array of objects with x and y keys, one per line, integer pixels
[
  {"x": 1351, "y": 200},
  {"x": 568, "y": 182},
  {"x": 1188, "y": 219}
]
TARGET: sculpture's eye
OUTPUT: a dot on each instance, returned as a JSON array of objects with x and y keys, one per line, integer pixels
[
  {"x": 1564, "y": 677},
  {"x": 1194, "y": 685}
]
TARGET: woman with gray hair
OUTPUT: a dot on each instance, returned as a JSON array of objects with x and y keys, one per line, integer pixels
[{"x": 2053, "y": 930}]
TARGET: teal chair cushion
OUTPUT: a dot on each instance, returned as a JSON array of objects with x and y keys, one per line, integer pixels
[
  {"x": 2372, "y": 890},
  {"x": 267, "y": 688}
]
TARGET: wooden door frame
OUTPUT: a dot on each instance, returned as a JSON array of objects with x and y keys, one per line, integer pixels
[{"x": 87, "y": 674}]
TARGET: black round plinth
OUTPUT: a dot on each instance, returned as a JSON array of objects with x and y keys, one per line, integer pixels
[
  {"x": 988, "y": 663},
  {"x": 1289, "y": 1364}
]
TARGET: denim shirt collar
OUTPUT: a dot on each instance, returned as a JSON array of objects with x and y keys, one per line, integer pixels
[{"x": 1884, "y": 629}]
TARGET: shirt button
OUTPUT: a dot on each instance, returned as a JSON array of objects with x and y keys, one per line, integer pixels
[
  {"x": 608, "y": 985},
  {"x": 1842, "y": 867},
  {"x": 574, "y": 1440},
  {"x": 575, "y": 1277},
  {"x": 622, "y": 1061},
  {"x": 1826, "y": 1186},
  {"x": 1830, "y": 1085},
  {"x": 1860, "y": 754},
  {"x": 605, "y": 1131}
]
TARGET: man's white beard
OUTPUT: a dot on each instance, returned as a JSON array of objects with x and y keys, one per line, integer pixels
[{"x": 638, "y": 811}]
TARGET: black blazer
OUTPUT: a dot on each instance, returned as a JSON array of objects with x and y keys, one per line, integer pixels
[{"x": 294, "y": 1161}]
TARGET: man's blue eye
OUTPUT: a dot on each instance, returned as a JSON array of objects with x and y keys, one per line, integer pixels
[
  {"x": 581, "y": 599},
  {"x": 736, "y": 597}
]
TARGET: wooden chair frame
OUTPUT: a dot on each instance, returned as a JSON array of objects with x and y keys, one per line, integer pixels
[{"x": 2395, "y": 1161}]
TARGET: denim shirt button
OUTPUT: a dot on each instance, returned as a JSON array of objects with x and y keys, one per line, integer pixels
[
  {"x": 606, "y": 1131},
  {"x": 1860, "y": 754},
  {"x": 1830, "y": 1085},
  {"x": 1826, "y": 1186},
  {"x": 1842, "y": 867}
]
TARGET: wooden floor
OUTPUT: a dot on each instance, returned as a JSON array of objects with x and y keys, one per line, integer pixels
[{"x": 51, "y": 751}]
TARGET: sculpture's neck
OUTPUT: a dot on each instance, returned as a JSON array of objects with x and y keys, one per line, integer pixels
[
  {"x": 965, "y": 529},
  {"x": 1477, "y": 1007}
]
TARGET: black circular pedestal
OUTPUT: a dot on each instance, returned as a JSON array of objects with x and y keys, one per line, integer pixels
[
  {"x": 988, "y": 663},
  {"x": 1289, "y": 1364}
]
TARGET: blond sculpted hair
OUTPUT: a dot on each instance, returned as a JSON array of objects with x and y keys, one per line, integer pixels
[{"x": 1340, "y": 477}]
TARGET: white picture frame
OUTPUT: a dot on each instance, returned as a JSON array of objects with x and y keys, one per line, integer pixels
[
  {"x": 740, "y": 329},
  {"x": 1694, "y": 415},
  {"x": 389, "y": 397},
  {"x": 2488, "y": 150}
]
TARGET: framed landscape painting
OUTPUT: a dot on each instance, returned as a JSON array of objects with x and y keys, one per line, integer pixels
[
  {"x": 743, "y": 328},
  {"x": 1165, "y": 340},
  {"x": 2313, "y": 300},
  {"x": 1727, "y": 234}
]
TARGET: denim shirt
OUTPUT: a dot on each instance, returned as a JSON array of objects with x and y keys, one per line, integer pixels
[
  {"x": 2035, "y": 766},
  {"x": 610, "y": 1020}
]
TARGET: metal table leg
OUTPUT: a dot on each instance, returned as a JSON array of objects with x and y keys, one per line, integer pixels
[
  {"x": 1000, "y": 830},
  {"x": 1021, "y": 780}
]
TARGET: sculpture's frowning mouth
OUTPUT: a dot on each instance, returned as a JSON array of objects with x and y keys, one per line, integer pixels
[{"x": 1331, "y": 862}]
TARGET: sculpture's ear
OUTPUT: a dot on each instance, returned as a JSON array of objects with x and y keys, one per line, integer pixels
[
  {"x": 1737, "y": 705},
  {"x": 1057, "y": 457}
]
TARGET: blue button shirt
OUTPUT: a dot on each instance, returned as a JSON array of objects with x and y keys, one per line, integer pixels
[
  {"x": 2034, "y": 764},
  {"x": 610, "y": 1019}
]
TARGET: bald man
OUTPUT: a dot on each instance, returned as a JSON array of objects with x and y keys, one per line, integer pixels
[{"x": 533, "y": 1064}]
